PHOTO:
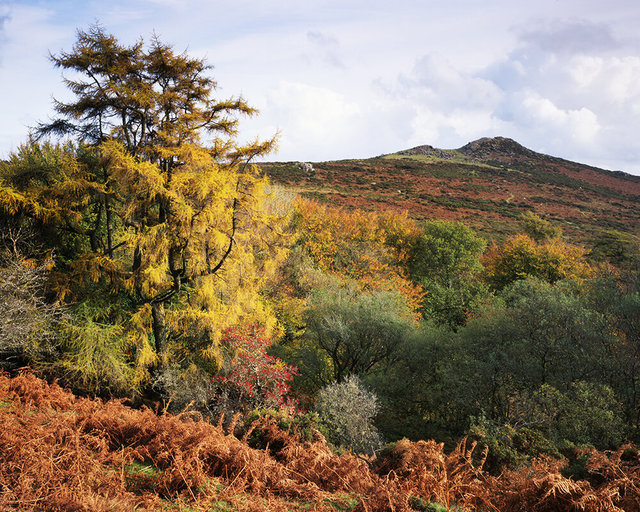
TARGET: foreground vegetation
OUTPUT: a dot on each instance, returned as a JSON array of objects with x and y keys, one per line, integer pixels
[
  {"x": 61, "y": 452},
  {"x": 148, "y": 260}
]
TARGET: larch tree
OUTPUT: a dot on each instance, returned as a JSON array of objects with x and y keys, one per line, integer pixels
[{"x": 174, "y": 211}]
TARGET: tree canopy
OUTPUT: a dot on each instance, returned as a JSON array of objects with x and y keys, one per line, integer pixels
[{"x": 161, "y": 201}]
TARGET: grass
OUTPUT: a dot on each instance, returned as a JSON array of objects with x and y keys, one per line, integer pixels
[{"x": 343, "y": 502}]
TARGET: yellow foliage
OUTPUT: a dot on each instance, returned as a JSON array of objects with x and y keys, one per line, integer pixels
[
  {"x": 180, "y": 229},
  {"x": 521, "y": 257},
  {"x": 186, "y": 230},
  {"x": 46, "y": 182}
]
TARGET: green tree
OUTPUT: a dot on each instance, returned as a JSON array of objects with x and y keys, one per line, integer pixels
[
  {"x": 444, "y": 260},
  {"x": 540, "y": 334},
  {"x": 46, "y": 200},
  {"x": 357, "y": 330},
  {"x": 419, "y": 389},
  {"x": 584, "y": 413},
  {"x": 618, "y": 300}
]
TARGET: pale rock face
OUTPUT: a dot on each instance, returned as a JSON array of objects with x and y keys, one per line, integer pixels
[{"x": 307, "y": 167}]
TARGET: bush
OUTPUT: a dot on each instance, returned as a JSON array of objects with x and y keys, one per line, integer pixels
[
  {"x": 304, "y": 426},
  {"x": 184, "y": 388},
  {"x": 254, "y": 379},
  {"x": 28, "y": 322},
  {"x": 585, "y": 414},
  {"x": 509, "y": 446},
  {"x": 346, "y": 409}
]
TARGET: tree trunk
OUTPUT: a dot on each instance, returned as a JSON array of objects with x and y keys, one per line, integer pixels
[
  {"x": 159, "y": 333},
  {"x": 107, "y": 206}
]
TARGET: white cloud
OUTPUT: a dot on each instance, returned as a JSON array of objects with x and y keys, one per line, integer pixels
[
  {"x": 314, "y": 116},
  {"x": 580, "y": 125},
  {"x": 585, "y": 70},
  {"x": 351, "y": 78}
]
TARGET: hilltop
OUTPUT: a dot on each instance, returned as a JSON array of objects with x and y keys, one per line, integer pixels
[{"x": 487, "y": 183}]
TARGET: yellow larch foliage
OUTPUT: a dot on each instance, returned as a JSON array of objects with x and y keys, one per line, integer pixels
[
  {"x": 179, "y": 228},
  {"x": 47, "y": 182}
]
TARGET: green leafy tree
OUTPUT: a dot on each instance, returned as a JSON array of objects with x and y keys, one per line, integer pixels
[
  {"x": 444, "y": 260},
  {"x": 356, "y": 330},
  {"x": 584, "y": 413},
  {"x": 619, "y": 302},
  {"x": 46, "y": 201},
  {"x": 540, "y": 334},
  {"x": 419, "y": 390}
]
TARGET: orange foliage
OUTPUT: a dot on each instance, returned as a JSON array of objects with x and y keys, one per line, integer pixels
[
  {"x": 521, "y": 257},
  {"x": 370, "y": 247},
  {"x": 613, "y": 485},
  {"x": 422, "y": 469},
  {"x": 63, "y": 453}
]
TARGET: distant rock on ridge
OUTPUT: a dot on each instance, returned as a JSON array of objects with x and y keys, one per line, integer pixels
[
  {"x": 481, "y": 149},
  {"x": 426, "y": 150},
  {"x": 487, "y": 147}
]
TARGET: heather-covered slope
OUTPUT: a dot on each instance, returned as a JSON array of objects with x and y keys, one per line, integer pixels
[{"x": 487, "y": 184}]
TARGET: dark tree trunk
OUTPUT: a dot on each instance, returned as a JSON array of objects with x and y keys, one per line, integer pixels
[
  {"x": 159, "y": 332},
  {"x": 107, "y": 205}
]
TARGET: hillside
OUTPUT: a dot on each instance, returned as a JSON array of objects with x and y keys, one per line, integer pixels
[{"x": 487, "y": 184}]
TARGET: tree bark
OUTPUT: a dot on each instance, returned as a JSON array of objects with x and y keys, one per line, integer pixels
[{"x": 159, "y": 332}]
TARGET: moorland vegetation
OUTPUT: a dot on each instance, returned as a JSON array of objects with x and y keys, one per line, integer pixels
[{"x": 238, "y": 347}]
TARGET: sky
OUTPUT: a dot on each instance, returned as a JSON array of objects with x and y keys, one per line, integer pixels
[{"x": 340, "y": 79}]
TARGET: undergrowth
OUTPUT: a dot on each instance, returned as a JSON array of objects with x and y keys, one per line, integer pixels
[{"x": 64, "y": 453}]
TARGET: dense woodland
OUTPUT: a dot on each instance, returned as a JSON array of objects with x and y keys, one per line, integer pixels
[{"x": 146, "y": 257}]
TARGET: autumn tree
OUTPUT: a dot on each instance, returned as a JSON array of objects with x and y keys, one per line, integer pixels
[
  {"x": 541, "y": 230},
  {"x": 166, "y": 204},
  {"x": 368, "y": 247},
  {"x": 521, "y": 257}
]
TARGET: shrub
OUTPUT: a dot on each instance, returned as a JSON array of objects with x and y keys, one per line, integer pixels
[
  {"x": 509, "y": 446},
  {"x": 539, "y": 229},
  {"x": 184, "y": 388},
  {"x": 305, "y": 426},
  {"x": 347, "y": 410},
  {"x": 27, "y": 320},
  {"x": 254, "y": 379},
  {"x": 584, "y": 414}
]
